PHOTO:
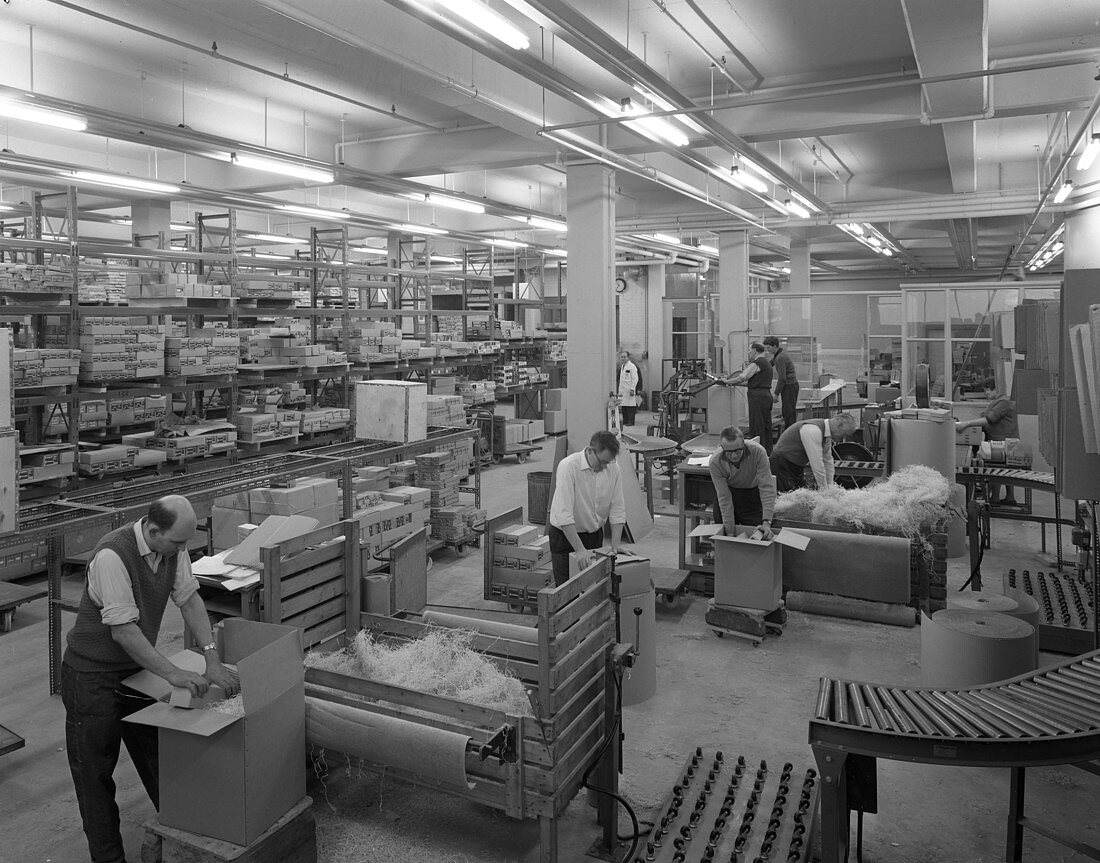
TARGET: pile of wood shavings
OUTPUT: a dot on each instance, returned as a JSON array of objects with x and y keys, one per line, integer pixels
[
  {"x": 911, "y": 502},
  {"x": 231, "y": 706},
  {"x": 440, "y": 663}
]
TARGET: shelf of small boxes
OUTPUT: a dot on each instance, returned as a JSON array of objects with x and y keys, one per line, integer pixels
[
  {"x": 275, "y": 289},
  {"x": 158, "y": 290},
  {"x": 35, "y": 279},
  {"x": 513, "y": 376},
  {"x": 45, "y": 462},
  {"x": 44, "y": 367}
]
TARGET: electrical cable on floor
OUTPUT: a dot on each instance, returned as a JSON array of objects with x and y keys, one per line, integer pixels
[{"x": 612, "y": 736}]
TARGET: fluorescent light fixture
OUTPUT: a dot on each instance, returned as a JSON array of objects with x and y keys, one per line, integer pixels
[
  {"x": 654, "y": 128},
  {"x": 666, "y": 238},
  {"x": 267, "y": 256},
  {"x": 280, "y": 166},
  {"x": 368, "y": 250},
  {"x": 751, "y": 165},
  {"x": 418, "y": 229},
  {"x": 804, "y": 201},
  {"x": 485, "y": 19},
  {"x": 6, "y": 207},
  {"x": 314, "y": 211},
  {"x": 710, "y": 250},
  {"x": 1063, "y": 192},
  {"x": 445, "y": 201},
  {"x": 547, "y": 224},
  {"x": 786, "y": 271},
  {"x": 119, "y": 181},
  {"x": 275, "y": 238},
  {"x": 174, "y": 226},
  {"x": 19, "y": 110},
  {"x": 665, "y": 105},
  {"x": 740, "y": 178},
  {"x": 888, "y": 252},
  {"x": 796, "y": 209},
  {"x": 507, "y": 244},
  {"x": 1089, "y": 154},
  {"x": 557, "y": 253}
]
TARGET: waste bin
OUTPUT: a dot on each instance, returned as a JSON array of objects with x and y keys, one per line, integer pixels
[{"x": 538, "y": 496}]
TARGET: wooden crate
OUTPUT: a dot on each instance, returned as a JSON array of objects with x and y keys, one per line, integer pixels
[{"x": 569, "y": 677}]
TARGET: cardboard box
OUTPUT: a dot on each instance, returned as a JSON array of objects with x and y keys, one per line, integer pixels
[
  {"x": 391, "y": 411},
  {"x": 231, "y": 777},
  {"x": 225, "y": 524},
  {"x": 555, "y": 400},
  {"x": 748, "y": 573},
  {"x": 281, "y": 501},
  {"x": 554, "y": 422}
]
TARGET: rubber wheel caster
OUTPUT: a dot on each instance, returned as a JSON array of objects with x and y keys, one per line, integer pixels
[{"x": 719, "y": 633}]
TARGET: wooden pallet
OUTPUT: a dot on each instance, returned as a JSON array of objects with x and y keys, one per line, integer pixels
[{"x": 751, "y": 624}]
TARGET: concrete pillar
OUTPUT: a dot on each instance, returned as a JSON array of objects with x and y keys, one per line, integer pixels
[
  {"x": 1082, "y": 235},
  {"x": 151, "y": 218},
  {"x": 800, "y": 266},
  {"x": 655, "y": 335},
  {"x": 589, "y": 301},
  {"x": 733, "y": 292}
]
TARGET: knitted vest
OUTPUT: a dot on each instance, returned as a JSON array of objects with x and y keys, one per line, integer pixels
[
  {"x": 762, "y": 380},
  {"x": 790, "y": 445},
  {"x": 91, "y": 647}
]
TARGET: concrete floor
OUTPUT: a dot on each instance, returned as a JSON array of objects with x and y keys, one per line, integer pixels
[{"x": 715, "y": 693}]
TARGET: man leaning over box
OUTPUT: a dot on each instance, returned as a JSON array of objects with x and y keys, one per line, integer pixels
[
  {"x": 132, "y": 575},
  {"x": 743, "y": 483},
  {"x": 587, "y": 494}
]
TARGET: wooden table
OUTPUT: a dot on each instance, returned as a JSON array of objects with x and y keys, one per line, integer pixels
[{"x": 11, "y": 597}]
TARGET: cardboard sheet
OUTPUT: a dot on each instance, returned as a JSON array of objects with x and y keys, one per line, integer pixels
[
  {"x": 861, "y": 566},
  {"x": 272, "y": 530}
]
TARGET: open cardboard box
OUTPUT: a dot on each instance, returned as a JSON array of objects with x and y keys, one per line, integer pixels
[
  {"x": 748, "y": 573},
  {"x": 224, "y": 776}
]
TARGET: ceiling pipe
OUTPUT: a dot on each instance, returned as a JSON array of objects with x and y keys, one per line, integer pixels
[
  {"x": 217, "y": 55},
  {"x": 715, "y": 62},
  {"x": 1084, "y": 129},
  {"x": 706, "y": 19}
]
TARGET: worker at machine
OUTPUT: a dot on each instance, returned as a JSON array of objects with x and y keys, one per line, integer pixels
[
  {"x": 999, "y": 422},
  {"x": 786, "y": 383},
  {"x": 757, "y": 377},
  {"x": 809, "y": 442},
  {"x": 630, "y": 384},
  {"x": 743, "y": 483},
  {"x": 132, "y": 575},
  {"x": 588, "y": 494}
]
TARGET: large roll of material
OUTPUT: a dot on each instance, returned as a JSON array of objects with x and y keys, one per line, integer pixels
[
  {"x": 638, "y": 621},
  {"x": 516, "y": 632},
  {"x": 1027, "y": 609},
  {"x": 956, "y": 525},
  {"x": 961, "y": 648},
  {"x": 923, "y": 442},
  {"x": 431, "y": 753}
]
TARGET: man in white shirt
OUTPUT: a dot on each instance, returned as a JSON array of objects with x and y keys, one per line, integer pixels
[
  {"x": 587, "y": 495},
  {"x": 809, "y": 442},
  {"x": 630, "y": 382}
]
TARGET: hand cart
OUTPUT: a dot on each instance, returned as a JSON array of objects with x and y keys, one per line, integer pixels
[{"x": 492, "y": 429}]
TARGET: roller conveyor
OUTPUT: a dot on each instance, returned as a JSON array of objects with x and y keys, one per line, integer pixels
[
  {"x": 967, "y": 474},
  {"x": 1050, "y": 716},
  {"x": 1066, "y": 608}
]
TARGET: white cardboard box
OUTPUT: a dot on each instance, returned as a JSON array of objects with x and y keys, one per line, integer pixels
[{"x": 391, "y": 411}]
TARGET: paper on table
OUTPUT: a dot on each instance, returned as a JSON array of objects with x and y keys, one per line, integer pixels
[
  {"x": 698, "y": 460},
  {"x": 212, "y": 565}
]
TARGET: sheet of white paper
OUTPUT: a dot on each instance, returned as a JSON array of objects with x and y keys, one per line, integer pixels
[
  {"x": 698, "y": 460},
  {"x": 215, "y": 565}
]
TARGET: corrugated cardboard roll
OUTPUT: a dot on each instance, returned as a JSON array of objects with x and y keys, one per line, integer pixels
[
  {"x": 1027, "y": 609},
  {"x": 961, "y": 648},
  {"x": 923, "y": 442},
  {"x": 514, "y": 631},
  {"x": 972, "y": 600},
  {"x": 956, "y": 525},
  {"x": 429, "y": 752}
]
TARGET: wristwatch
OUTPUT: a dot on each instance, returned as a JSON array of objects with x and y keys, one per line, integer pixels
[{"x": 213, "y": 645}]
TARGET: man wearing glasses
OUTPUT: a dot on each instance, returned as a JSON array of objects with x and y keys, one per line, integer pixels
[
  {"x": 743, "y": 482},
  {"x": 587, "y": 495}
]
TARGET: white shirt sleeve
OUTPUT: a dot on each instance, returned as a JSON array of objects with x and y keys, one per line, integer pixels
[
  {"x": 185, "y": 585},
  {"x": 617, "y": 513},
  {"x": 109, "y": 587},
  {"x": 561, "y": 507},
  {"x": 813, "y": 441}
]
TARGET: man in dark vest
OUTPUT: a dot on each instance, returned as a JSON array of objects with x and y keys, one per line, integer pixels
[
  {"x": 809, "y": 442},
  {"x": 135, "y": 570},
  {"x": 786, "y": 381},
  {"x": 757, "y": 377}
]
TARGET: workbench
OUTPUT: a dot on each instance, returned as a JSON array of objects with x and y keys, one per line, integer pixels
[{"x": 11, "y": 597}]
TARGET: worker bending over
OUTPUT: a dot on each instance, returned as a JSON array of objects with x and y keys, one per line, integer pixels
[
  {"x": 809, "y": 442},
  {"x": 999, "y": 422},
  {"x": 588, "y": 494},
  {"x": 743, "y": 483},
  {"x": 134, "y": 572},
  {"x": 757, "y": 377}
]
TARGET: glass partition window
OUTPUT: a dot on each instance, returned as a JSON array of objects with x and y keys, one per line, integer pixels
[
  {"x": 925, "y": 314},
  {"x": 772, "y": 314}
]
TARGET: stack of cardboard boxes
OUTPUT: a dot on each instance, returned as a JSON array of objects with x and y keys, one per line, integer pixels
[
  {"x": 34, "y": 278},
  {"x": 454, "y": 523},
  {"x": 477, "y": 392},
  {"x": 271, "y": 288},
  {"x": 521, "y": 561},
  {"x": 446, "y": 411},
  {"x": 45, "y": 367},
  {"x": 271, "y": 422},
  {"x": 118, "y": 349},
  {"x": 202, "y": 353},
  {"x": 554, "y": 415},
  {"x": 386, "y": 514},
  {"x": 324, "y": 419},
  {"x": 313, "y": 497},
  {"x": 158, "y": 288}
]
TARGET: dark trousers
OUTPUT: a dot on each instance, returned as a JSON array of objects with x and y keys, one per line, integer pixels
[
  {"x": 629, "y": 413},
  {"x": 788, "y": 397},
  {"x": 747, "y": 508},
  {"x": 788, "y": 475},
  {"x": 95, "y": 704},
  {"x": 760, "y": 416},
  {"x": 560, "y": 549}
]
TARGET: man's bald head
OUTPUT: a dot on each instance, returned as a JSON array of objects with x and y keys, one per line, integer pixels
[{"x": 170, "y": 524}]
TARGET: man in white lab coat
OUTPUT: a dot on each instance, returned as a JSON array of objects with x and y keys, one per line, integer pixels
[{"x": 630, "y": 384}]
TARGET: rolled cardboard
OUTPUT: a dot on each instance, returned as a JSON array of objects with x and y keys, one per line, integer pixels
[
  {"x": 1027, "y": 609},
  {"x": 968, "y": 600},
  {"x": 516, "y": 632},
  {"x": 961, "y": 648}
]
